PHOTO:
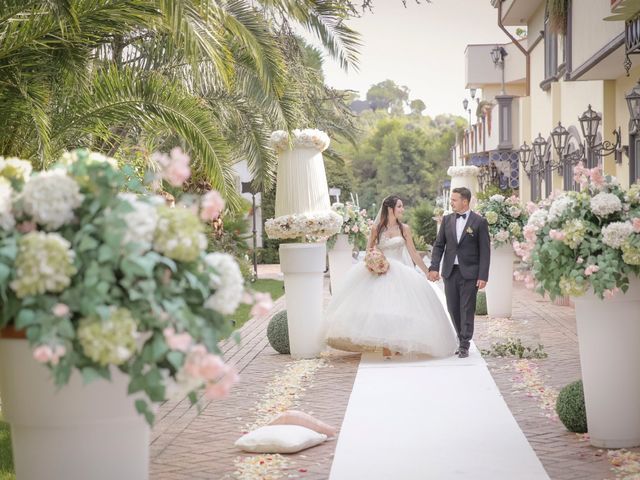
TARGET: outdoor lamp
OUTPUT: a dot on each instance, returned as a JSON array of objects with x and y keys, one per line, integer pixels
[
  {"x": 465, "y": 104},
  {"x": 473, "y": 93},
  {"x": 525, "y": 154},
  {"x": 539, "y": 148},
  {"x": 589, "y": 123},
  {"x": 633, "y": 103},
  {"x": 559, "y": 137}
]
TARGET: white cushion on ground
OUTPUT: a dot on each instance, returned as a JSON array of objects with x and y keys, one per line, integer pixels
[{"x": 279, "y": 439}]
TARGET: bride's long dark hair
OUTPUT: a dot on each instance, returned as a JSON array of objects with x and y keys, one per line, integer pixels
[{"x": 390, "y": 202}]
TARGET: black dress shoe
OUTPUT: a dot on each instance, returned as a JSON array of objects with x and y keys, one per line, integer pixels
[
  {"x": 463, "y": 353},
  {"x": 457, "y": 351}
]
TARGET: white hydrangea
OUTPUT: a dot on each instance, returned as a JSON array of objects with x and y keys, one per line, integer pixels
[
  {"x": 616, "y": 233},
  {"x": 7, "y": 222},
  {"x": 14, "y": 168},
  {"x": 604, "y": 204},
  {"x": 308, "y": 138},
  {"x": 50, "y": 198},
  {"x": 538, "y": 219},
  {"x": 141, "y": 222},
  {"x": 497, "y": 198},
  {"x": 319, "y": 224},
  {"x": 559, "y": 206},
  {"x": 502, "y": 236},
  {"x": 463, "y": 171},
  {"x": 227, "y": 282}
]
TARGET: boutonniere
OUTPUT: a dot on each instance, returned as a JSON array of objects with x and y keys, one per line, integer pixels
[{"x": 470, "y": 230}]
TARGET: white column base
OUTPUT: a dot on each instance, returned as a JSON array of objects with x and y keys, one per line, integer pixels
[
  {"x": 340, "y": 261},
  {"x": 499, "y": 287}
]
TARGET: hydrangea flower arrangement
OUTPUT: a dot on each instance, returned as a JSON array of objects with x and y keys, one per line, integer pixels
[
  {"x": 307, "y": 138},
  {"x": 585, "y": 240},
  {"x": 98, "y": 279},
  {"x": 506, "y": 218},
  {"x": 355, "y": 224}
]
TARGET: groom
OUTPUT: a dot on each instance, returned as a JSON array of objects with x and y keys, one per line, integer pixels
[{"x": 464, "y": 239}]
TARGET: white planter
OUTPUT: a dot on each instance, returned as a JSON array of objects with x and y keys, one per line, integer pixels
[
  {"x": 499, "y": 287},
  {"x": 609, "y": 341},
  {"x": 340, "y": 261},
  {"x": 303, "y": 266},
  {"x": 77, "y": 432},
  {"x": 466, "y": 176}
]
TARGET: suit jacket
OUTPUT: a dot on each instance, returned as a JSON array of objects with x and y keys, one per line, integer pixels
[{"x": 473, "y": 250}]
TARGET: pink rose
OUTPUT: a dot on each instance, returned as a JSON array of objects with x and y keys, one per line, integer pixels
[
  {"x": 26, "y": 227},
  {"x": 636, "y": 224},
  {"x": 211, "y": 206},
  {"x": 43, "y": 354},
  {"x": 60, "y": 310},
  {"x": 611, "y": 293},
  {"x": 212, "y": 367},
  {"x": 556, "y": 234},
  {"x": 177, "y": 341},
  {"x": 263, "y": 304},
  {"x": 223, "y": 386},
  {"x": 58, "y": 352},
  {"x": 596, "y": 177},
  {"x": 531, "y": 207},
  {"x": 591, "y": 269},
  {"x": 355, "y": 229},
  {"x": 174, "y": 167}
]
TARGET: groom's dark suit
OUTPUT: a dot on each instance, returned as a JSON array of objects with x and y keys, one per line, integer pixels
[{"x": 473, "y": 251}]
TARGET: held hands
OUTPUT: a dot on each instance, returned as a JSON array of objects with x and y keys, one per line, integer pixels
[
  {"x": 481, "y": 284},
  {"x": 433, "y": 275}
]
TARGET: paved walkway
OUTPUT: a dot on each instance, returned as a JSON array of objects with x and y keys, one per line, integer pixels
[{"x": 190, "y": 446}]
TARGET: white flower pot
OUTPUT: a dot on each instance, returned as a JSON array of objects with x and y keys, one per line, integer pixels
[
  {"x": 466, "y": 179},
  {"x": 609, "y": 341},
  {"x": 78, "y": 432},
  {"x": 499, "y": 287},
  {"x": 340, "y": 261},
  {"x": 303, "y": 266}
]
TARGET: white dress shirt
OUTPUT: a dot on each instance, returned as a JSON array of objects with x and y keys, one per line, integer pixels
[{"x": 460, "y": 224}]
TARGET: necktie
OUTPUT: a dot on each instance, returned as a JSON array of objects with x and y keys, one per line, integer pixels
[{"x": 461, "y": 215}]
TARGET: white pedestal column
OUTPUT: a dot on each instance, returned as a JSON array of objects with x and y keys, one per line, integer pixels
[
  {"x": 608, "y": 337},
  {"x": 499, "y": 288},
  {"x": 303, "y": 267},
  {"x": 77, "y": 432},
  {"x": 340, "y": 261}
]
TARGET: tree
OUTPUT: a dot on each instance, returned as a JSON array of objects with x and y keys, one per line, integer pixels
[
  {"x": 387, "y": 94},
  {"x": 417, "y": 106}
]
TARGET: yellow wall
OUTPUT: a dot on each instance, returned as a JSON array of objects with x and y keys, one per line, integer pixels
[{"x": 589, "y": 32}]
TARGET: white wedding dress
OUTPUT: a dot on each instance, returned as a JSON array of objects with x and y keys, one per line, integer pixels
[{"x": 400, "y": 310}]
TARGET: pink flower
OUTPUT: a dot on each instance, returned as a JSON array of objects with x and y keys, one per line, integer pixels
[
  {"x": 58, "y": 352},
  {"x": 223, "y": 386},
  {"x": 177, "y": 341},
  {"x": 556, "y": 234},
  {"x": 596, "y": 177},
  {"x": 26, "y": 227},
  {"x": 591, "y": 269},
  {"x": 211, "y": 206},
  {"x": 43, "y": 354},
  {"x": 212, "y": 367},
  {"x": 636, "y": 224},
  {"x": 531, "y": 207},
  {"x": 355, "y": 229},
  {"x": 611, "y": 293},
  {"x": 175, "y": 167},
  {"x": 60, "y": 310},
  {"x": 263, "y": 304}
]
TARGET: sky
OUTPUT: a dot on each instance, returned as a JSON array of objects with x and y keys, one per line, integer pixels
[{"x": 421, "y": 46}]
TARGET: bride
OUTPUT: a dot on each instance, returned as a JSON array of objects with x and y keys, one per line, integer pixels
[{"x": 400, "y": 310}]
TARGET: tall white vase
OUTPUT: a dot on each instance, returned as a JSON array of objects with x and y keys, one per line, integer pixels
[
  {"x": 465, "y": 176},
  {"x": 499, "y": 287},
  {"x": 303, "y": 267},
  {"x": 609, "y": 341},
  {"x": 77, "y": 432},
  {"x": 340, "y": 261}
]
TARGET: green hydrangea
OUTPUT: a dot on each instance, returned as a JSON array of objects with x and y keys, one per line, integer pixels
[
  {"x": 44, "y": 264},
  {"x": 631, "y": 250},
  {"x": 179, "y": 234},
  {"x": 492, "y": 217},
  {"x": 515, "y": 229},
  {"x": 574, "y": 230},
  {"x": 571, "y": 287},
  {"x": 111, "y": 341}
]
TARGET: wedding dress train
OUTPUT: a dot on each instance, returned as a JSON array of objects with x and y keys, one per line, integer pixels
[{"x": 400, "y": 310}]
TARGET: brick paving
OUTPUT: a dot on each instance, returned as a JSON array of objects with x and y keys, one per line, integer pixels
[{"x": 186, "y": 445}]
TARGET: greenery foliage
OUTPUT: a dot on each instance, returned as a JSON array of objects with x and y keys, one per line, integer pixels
[
  {"x": 278, "y": 333},
  {"x": 422, "y": 223},
  {"x": 506, "y": 218},
  {"x": 515, "y": 348},
  {"x": 571, "y": 409},
  {"x": 481, "y": 303},
  {"x": 267, "y": 285},
  {"x": 6, "y": 455}
]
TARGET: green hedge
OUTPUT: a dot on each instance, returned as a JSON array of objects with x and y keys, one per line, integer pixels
[
  {"x": 278, "y": 332},
  {"x": 481, "y": 303},
  {"x": 570, "y": 407}
]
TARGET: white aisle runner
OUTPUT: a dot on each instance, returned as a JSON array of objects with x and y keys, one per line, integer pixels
[{"x": 423, "y": 419}]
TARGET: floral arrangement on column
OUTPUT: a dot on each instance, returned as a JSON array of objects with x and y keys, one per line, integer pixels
[
  {"x": 318, "y": 224},
  {"x": 355, "y": 224},
  {"x": 576, "y": 241},
  {"x": 99, "y": 273},
  {"x": 463, "y": 171},
  {"x": 506, "y": 218}
]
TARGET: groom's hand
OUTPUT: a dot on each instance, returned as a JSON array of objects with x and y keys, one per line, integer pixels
[
  {"x": 433, "y": 275},
  {"x": 481, "y": 284}
]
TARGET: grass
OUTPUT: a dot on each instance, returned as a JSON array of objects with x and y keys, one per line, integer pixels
[
  {"x": 274, "y": 287},
  {"x": 6, "y": 457}
]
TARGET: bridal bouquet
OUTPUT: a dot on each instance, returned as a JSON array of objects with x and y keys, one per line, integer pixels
[
  {"x": 587, "y": 239},
  {"x": 355, "y": 225},
  {"x": 376, "y": 262},
  {"x": 98, "y": 279},
  {"x": 506, "y": 218}
]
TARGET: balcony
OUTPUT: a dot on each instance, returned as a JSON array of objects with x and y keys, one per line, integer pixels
[
  {"x": 480, "y": 70},
  {"x": 517, "y": 12}
]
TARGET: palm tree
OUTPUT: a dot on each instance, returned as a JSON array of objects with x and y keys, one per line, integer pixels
[{"x": 213, "y": 76}]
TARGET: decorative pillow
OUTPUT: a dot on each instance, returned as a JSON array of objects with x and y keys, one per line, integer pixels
[
  {"x": 296, "y": 417},
  {"x": 279, "y": 439}
]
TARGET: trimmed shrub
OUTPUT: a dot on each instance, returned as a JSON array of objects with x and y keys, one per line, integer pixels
[
  {"x": 481, "y": 303},
  {"x": 278, "y": 332},
  {"x": 570, "y": 407}
]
